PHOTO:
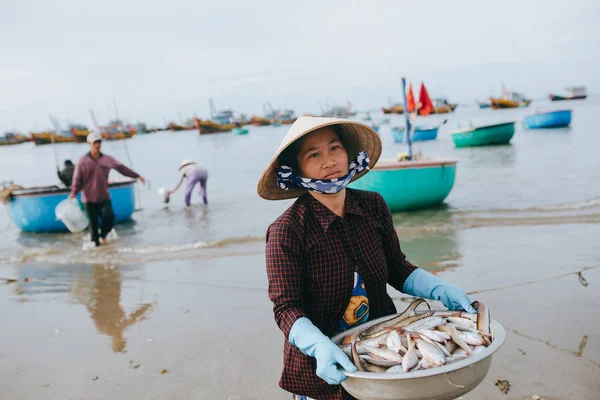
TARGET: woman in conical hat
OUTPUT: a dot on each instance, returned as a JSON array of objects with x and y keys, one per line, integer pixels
[{"x": 331, "y": 254}]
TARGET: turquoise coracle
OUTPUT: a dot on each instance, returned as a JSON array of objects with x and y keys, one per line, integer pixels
[{"x": 410, "y": 185}]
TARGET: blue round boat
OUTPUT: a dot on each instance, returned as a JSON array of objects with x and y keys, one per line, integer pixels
[
  {"x": 32, "y": 210},
  {"x": 419, "y": 134},
  {"x": 410, "y": 185},
  {"x": 550, "y": 119}
]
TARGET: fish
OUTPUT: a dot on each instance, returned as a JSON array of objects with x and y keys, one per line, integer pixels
[
  {"x": 438, "y": 336},
  {"x": 425, "y": 323},
  {"x": 459, "y": 341},
  {"x": 431, "y": 353},
  {"x": 419, "y": 340},
  {"x": 394, "y": 320},
  {"x": 462, "y": 321},
  {"x": 394, "y": 342},
  {"x": 471, "y": 338},
  {"x": 410, "y": 359}
]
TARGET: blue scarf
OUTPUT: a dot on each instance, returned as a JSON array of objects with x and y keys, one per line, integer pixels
[{"x": 287, "y": 178}]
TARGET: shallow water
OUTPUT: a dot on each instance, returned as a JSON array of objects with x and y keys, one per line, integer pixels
[{"x": 544, "y": 177}]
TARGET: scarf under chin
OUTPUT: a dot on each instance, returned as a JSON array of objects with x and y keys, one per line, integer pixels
[{"x": 286, "y": 177}]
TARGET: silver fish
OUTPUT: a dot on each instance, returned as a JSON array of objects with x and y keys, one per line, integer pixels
[
  {"x": 431, "y": 353},
  {"x": 394, "y": 342},
  {"x": 426, "y": 323},
  {"x": 410, "y": 359},
  {"x": 462, "y": 321},
  {"x": 459, "y": 341},
  {"x": 385, "y": 354},
  {"x": 471, "y": 338},
  {"x": 437, "y": 336}
]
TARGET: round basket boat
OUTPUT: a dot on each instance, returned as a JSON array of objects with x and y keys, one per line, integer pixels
[{"x": 441, "y": 383}]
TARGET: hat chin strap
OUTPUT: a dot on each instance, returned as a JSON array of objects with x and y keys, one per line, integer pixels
[{"x": 286, "y": 177}]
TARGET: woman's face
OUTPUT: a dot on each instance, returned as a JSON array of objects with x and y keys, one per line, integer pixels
[{"x": 322, "y": 155}]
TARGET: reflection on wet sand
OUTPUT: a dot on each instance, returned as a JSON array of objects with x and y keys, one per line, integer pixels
[{"x": 105, "y": 306}]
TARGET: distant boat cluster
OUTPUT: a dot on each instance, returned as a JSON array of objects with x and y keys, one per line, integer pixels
[{"x": 229, "y": 121}]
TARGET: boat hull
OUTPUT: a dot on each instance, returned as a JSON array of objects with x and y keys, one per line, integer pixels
[
  {"x": 32, "y": 210},
  {"x": 410, "y": 185},
  {"x": 239, "y": 131},
  {"x": 555, "y": 97},
  {"x": 553, "y": 119},
  {"x": 504, "y": 103},
  {"x": 485, "y": 135},
  {"x": 206, "y": 127},
  {"x": 49, "y": 138},
  {"x": 419, "y": 135}
]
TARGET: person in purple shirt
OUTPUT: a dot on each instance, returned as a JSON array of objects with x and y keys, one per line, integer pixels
[{"x": 91, "y": 179}]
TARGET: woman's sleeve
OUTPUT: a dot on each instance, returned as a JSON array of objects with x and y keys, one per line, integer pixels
[
  {"x": 284, "y": 273},
  {"x": 399, "y": 268}
]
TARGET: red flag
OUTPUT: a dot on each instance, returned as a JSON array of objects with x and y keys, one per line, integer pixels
[
  {"x": 425, "y": 104},
  {"x": 410, "y": 99}
]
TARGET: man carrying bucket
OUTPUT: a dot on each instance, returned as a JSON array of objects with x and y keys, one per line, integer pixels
[{"x": 91, "y": 178}]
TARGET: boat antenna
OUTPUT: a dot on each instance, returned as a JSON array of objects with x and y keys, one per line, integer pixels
[
  {"x": 55, "y": 123},
  {"x": 407, "y": 118}
]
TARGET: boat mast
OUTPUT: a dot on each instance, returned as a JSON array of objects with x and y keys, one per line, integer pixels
[{"x": 407, "y": 118}]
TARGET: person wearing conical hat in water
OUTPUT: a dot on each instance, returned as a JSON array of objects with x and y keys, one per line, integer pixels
[
  {"x": 331, "y": 254},
  {"x": 194, "y": 174}
]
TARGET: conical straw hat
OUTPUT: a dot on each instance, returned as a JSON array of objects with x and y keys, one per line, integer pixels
[{"x": 356, "y": 137}]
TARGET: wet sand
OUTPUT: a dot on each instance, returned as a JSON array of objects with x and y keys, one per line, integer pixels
[{"x": 98, "y": 331}]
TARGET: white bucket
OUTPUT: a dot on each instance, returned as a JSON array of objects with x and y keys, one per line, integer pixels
[
  {"x": 164, "y": 196},
  {"x": 70, "y": 213}
]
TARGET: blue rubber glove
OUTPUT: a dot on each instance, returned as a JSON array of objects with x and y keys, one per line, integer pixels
[
  {"x": 423, "y": 284},
  {"x": 309, "y": 339}
]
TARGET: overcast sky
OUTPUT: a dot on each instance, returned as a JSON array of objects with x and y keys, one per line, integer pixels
[{"x": 158, "y": 58}]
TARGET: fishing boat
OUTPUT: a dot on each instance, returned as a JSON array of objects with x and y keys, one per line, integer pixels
[
  {"x": 573, "y": 93},
  {"x": 10, "y": 138},
  {"x": 116, "y": 130},
  {"x": 173, "y": 127},
  {"x": 32, "y": 209},
  {"x": 80, "y": 133},
  {"x": 420, "y": 134},
  {"x": 375, "y": 127},
  {"x": 49, "y": 137},
  {"x": 221, "y": 121},
  {"x": 411, "y": 184},
  {"x": 395, "y": 109},
  {"x": 260, "y": 121},
  {"x": 484, "y": 105},
  {"x": 484, "y": 135},
  {"x": 509, "y": 100},
  {"x": 239, "y": 131},
  {"x": 280, "y": 117},
  {"x": 340, "y": 111},
  {"x": 441, "y": 106},
  {"x": 549, "y": 119}
]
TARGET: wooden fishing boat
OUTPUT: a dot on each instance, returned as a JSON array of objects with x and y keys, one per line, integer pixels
[
  {"x": 32, "y": 209},
  {"x": 441, "y": 106},
  {"x": 52, "y": 137},
  {"x": 80, "y": 133},
  {"x": 573, "y": 93},
  {"x": 510, "y": 100},
  {"x": 173, "y": 127},
  {"x": 396, "y": 109},
  {"x": 206, "y": 127},
  {"x": 260, "y": 121},
  {"x": 10, "y": 138},
  {"x": 410, "y": 185},
  {"x": 550, "y": 119},
  {"x": 109, "y": 135},
  {"x": 484, "y": 135}
]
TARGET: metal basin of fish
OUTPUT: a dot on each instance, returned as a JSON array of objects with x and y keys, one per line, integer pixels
[{"x": 440, "y": 383}]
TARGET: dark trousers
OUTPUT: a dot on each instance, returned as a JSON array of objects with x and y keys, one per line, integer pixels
[{"x": 100, "y": 211}]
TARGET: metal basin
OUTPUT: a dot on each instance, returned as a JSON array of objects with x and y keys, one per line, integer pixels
[{"x": 440, "y": 383}]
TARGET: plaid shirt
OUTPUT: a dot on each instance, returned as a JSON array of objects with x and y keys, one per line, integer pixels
[{"x": 311, "y": 258}]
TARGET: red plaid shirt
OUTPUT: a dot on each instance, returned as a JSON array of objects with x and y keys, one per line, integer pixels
[{"x": 311, "y": 257}]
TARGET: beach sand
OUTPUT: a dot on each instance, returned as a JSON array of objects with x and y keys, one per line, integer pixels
[{"x": 99, "y": 331}]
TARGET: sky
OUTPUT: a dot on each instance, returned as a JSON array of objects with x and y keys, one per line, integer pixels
[{"x": 158, "y": 60}]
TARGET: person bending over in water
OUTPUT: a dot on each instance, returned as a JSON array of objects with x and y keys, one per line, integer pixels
[{"x": 195, "y": 174}]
